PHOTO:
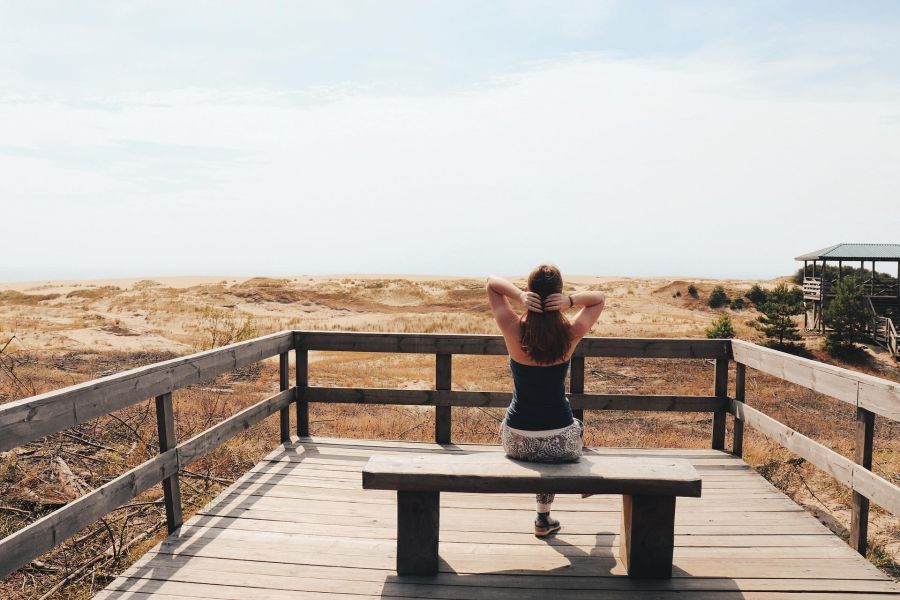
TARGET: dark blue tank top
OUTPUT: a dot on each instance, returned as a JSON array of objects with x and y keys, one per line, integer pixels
[{"x": 539, "y": 397}]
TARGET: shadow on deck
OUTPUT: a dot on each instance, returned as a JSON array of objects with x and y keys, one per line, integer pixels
[{"x": 299, "y": 525}]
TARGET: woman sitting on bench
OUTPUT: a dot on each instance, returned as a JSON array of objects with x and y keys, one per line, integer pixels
[{"x": 539, "y": 425}]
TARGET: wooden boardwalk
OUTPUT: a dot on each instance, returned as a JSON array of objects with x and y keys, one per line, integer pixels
[{"x": 300, "y": 526}]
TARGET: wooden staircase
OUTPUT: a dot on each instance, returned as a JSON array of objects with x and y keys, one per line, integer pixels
[{"x": 885, "y": 314}]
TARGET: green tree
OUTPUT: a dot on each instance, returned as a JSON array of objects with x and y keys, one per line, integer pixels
[
  {"x": 721, "y": 328},
  {"x": 757, "y": 295},
  {"x": 781, "y": 305},
  {"x": 692, "y": 290},
  {"x": 846, "y": 316},
  {"x": 718, "y": 298}
]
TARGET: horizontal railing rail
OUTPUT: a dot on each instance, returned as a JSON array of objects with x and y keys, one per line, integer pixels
[
  {"x": 33, "y": 418},
  {"x": 869, "y": 395}
]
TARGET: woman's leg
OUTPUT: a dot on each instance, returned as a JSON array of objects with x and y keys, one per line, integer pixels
[{"x": 544, "y": 501}]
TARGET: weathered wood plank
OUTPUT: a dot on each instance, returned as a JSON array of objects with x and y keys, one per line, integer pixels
[
  {"x": 648, "y": 535},
  {"x": 165, "y": 427},
  {"x": 418, "y": 526},
  {"x": 502, "y": 399},
  {"x": 740, "y": 381},
  {"x": 859, "y": 520},
  {"x": 494, "y": 345},
  {"x": 301, "y": 358},
  {"x": 443, "y": 418},
  {"x": 32, "y": 418},
  {"x": 856, "y": 477},
  {"x": 576, "y": 383},
  {"x": 878, "y": 395},
  {"x": 720, "y": 387},
  {"x": 30, "y": 542},
  {"x": 497, "y": 473},
  {"x": 145, "y": 567},
  {"x": 284, "y": 415}
]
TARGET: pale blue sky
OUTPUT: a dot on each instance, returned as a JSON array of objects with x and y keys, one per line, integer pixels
[{"x": 633, "y": 138}]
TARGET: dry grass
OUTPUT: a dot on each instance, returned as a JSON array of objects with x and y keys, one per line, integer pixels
[{"x": 63, "y": 338}]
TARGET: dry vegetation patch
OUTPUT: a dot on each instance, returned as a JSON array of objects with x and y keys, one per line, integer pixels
[{"x": 59, "y": 336}]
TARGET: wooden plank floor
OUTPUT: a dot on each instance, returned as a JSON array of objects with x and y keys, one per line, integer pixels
[{"x": 299, "y": 526}]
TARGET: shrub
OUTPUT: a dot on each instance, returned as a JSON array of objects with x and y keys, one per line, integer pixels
[
  {"x": 846, "y": 316},
  {"x": 718, "y": 298},
  {"x": 721, "y": 328},
  {"x": 757, "y": 295},
  {"x": 738, "y": 304},
  {"x": 677, "y": 294},
  {"x": 781, "y": 305},
  {"x": 692, "y": 291},
  {"x": 220, "y": 328}
]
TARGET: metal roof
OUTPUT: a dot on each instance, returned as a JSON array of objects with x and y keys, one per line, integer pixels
[{"x": 855, "y": 252}]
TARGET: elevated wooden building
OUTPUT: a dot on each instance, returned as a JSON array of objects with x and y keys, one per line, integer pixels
[{"x": 882, "y": 290}]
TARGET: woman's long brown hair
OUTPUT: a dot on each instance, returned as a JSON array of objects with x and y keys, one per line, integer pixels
[{"x": 545, "y": 336}]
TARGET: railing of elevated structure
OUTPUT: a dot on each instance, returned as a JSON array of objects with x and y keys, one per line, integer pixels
[
  {"x": 812, "y": 288},
  {"x": 882, "y": 329},
  {"x": 878, "y": 287},
  {"x": 31, "y": 419}
]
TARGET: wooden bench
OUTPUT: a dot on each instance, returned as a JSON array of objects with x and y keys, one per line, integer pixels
[{"x": 648, "y": 487}]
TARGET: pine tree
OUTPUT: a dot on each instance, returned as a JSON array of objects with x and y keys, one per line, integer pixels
[
  {"x": 779, "y": 309},
  {"x": 846, "y": 316},
  {"x": 721, "y": 328},
  {"x": 757, "y": 295},
  {"x": 718, "y": 297}
]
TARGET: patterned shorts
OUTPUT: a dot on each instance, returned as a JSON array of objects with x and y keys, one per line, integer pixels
[{"x": 562, "y": 445}]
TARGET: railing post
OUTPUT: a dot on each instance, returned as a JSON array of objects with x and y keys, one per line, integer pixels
[
  {"x": 284, "y": 415},
  {"x": 443, "y": 418},
  {"x": 301, "y": 359},
  {"x": 740, "y": 376},
  {"x": 721, "y": 391},
  {"x": 576, "y": 382},
  {"x": 165, "y": 427},
  {"x": 859, "y": 523}
]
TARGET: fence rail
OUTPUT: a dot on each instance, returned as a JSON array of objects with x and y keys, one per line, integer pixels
[{"x": 33, "y": 418}]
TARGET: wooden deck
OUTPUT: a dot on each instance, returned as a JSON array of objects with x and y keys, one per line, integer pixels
[{"x": 299, "y": 526}]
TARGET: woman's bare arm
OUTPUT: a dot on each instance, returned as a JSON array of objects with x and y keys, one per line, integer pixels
[{"x": 500, "y": 292}]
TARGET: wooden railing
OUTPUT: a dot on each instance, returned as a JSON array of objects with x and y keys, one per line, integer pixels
[
  {"x": 870, "y": 395},
  {"x": 812, "y": 288},
  {"x": 31, "y": 419}
]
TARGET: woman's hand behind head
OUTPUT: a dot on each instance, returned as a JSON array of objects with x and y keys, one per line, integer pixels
[
  {"x": 531, "y": 301},
  {"x": 556, "y": 302}
]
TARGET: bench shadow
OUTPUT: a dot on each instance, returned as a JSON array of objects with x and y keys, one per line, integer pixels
[{"x": 595, "y": 570}]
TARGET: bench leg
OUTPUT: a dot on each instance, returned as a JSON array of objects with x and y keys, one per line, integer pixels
[
  {"x": 418, "y": 522},
  {"x": 647, "y": 538}
]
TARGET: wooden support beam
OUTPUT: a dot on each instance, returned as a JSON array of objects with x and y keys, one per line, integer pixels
[
  {"x": 647, "y": 538},
  {"x": 859, "y": 523},
  {"x": 576, "y": 382},
  {"x": 301, "y": 381},
  {"x": 418, "y": 527},
  {"x": 740, "y": 376},
  {"x": 443, "y": 419},
  {"x": 284, "y": 415},
  {"x": 168, "y": 439},
  {"x": 721, "y": 391}
]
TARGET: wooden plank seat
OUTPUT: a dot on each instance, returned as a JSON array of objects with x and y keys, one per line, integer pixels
[{"x": 648, "y": 486}]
